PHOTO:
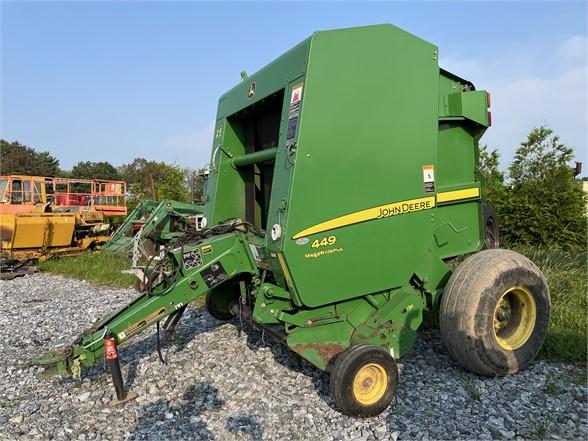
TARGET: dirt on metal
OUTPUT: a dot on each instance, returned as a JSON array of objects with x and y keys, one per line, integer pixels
[{"x": 325, "y": 351}]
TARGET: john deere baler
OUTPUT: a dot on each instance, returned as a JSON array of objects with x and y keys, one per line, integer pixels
[{"x": 343, "y": 183}]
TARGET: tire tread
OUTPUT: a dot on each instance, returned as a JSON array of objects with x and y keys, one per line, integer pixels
[{"x": 459, "y": 306}]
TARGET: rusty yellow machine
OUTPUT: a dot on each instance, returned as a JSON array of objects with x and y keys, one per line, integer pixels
[{"x": 41, "y": 217}]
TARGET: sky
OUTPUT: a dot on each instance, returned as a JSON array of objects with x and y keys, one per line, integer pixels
[{"x": 112, "y": 81}]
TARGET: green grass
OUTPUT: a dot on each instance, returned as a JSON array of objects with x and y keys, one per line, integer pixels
[
  {"x": 567, "y": 278},
  {"x": 470, "y": 388},
  {"x": 95, "y": 267},
  {"x": 7, "y": 404}
]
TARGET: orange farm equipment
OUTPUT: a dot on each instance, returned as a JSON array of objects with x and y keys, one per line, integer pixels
[{"x": 44, "y": 216}]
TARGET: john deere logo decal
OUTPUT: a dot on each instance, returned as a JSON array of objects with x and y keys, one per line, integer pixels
[{"x": 251, "y": 90}]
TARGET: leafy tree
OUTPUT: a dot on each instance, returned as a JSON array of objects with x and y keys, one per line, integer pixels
[
  {"x": 195, "y": 181},
  {"x": 95, "y": 170},
  {"x": 493, "y": 177},
  {"x": 18, "y": 159},
  {"x": 155, "y": 180},
  {"x": 543, "y": 204},
  {"x": 170, "y": 183}
]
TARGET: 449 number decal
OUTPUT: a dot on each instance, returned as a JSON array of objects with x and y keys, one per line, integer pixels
[{"x": 324, "y": 242}]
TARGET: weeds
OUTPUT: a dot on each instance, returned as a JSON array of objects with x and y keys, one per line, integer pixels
[
  {"x": 566, "y": 275},
  {"x": 539, "y": 431},
  {"x": 549, "y": 388},
  {"x": 577, "y": 376},
  {"x": 99, "y": 268},
  {"x": 7, "y": 404},
  {"x": 470, "y": 388}
]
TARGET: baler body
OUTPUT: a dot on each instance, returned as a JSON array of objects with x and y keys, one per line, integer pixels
[
  {"x": 343, "y": 176},
  {"x": 360, "y": 154}
]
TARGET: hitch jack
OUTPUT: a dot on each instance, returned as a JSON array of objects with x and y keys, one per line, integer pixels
[{"x": 111, "y": 356}]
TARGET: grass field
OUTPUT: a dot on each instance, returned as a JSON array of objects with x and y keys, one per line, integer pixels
[
  {"x": 99, "y": 268},
  {"x": 567, "y": 278},
  {"x": 566, "y": 275}
]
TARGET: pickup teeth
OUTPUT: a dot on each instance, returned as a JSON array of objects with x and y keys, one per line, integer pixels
[{"x": 55, "y": 361}]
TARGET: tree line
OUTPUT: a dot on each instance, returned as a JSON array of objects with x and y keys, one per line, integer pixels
[
  {"x": 538, "y": 200},
  {"x": 146, "y": 179}
]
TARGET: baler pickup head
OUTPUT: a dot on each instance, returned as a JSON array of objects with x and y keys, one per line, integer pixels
[{"x": 58, "y": 361}]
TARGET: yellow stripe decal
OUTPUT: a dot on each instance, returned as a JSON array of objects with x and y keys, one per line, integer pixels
[
  {"x": 382, "y": 211},
  {"x": 456, "y": 195},
  {"x": 387, "y": 210},
  {"x": 285, "y": 270}
]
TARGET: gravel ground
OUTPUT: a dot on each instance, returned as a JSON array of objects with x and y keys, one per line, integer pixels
[{"x": 220, "y": 385}]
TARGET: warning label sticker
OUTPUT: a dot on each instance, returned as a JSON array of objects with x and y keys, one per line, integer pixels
[
  {"x": 295, "y": 100},
  {"x": 296, "y": 93},
  {"x": 192, "y": 258},
  {"x": 429, "y": 178},
  {"x": 293, "y": 112},
  {"x": 214, "y": 274},
  {"x": 291, "y": 130}
]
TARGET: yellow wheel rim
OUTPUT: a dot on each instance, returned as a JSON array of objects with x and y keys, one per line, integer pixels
[
  {"x": 514, "y": 318},
  {"x": 370, "y": 384}
]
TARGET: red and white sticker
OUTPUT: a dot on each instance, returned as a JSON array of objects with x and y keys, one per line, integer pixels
[
  {"x": 110, "y": 351},
  {"x": 429, "y": 178},
  {"x": 296, "y": 93},
  {"x": 428, "y": 173}
]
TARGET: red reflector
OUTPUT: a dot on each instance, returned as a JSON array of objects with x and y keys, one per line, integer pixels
[
  {"x": 488, "y": 99},
  {"x": 489, "y": 119},
  {"x": 110, "y": 349}
]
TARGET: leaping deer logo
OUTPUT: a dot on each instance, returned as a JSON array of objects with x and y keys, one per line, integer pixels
[{"x": 251, "y": 90}]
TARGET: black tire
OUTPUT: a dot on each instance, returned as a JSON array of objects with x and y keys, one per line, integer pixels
[
  {"x": 344, "y": 375},
  {"x": 219, "y": 300},
  {"x": 491, "y": 227},
  {"x": 494, "y": 312}
]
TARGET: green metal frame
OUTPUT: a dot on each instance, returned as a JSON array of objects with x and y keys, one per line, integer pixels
[
  {"x": 374, "y": 186},
  {"x": 157, "y": 223}
]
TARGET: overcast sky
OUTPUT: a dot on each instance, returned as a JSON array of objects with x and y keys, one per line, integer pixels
[{"x": 114, "y": 81}]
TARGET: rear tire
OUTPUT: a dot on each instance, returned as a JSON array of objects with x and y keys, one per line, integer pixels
[
  {"x": 364, "y": 379},
  {"x": 494, "y": 312}
]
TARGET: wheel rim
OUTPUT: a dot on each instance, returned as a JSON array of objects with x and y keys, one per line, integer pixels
[
  {"x": 514, "y": 318},
  {"x": 370, "y": 384}
]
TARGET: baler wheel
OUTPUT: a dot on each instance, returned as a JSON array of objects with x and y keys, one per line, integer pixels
[
  {"x": 494, "y": 312},
  {"x": 219, "y": 300},
  {"x": 363, "y": 380}
]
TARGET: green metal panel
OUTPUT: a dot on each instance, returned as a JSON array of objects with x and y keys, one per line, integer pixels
[
  {"x": 372, "y": 99},
  {"x": 225, "y": 187},
  {"x": 269, "y": 79},
  {"x": 368, "y": 126},
  {"x": 470, "y": 105}
]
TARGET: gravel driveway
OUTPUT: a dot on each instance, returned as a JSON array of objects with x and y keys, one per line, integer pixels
[{"x": 219, "y": 384}]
